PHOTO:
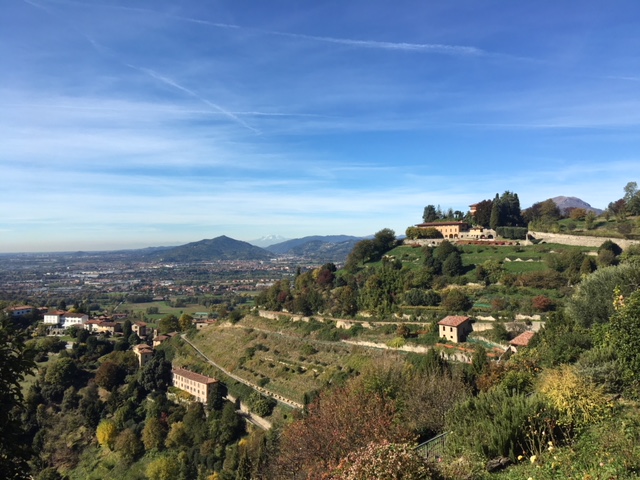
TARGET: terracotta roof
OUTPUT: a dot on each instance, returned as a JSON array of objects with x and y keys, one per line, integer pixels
[
  {"x": 141, "y": 324},
  {"x": 522, "y": 340},
  {"x": 440, "y": 224},
  {"x": 143, "y": 347},
  {"x": 454, "y": 320},
  {"x": 196, "y": 377}
]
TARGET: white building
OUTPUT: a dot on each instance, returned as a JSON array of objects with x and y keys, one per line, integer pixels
[
  {"x": 20, "y": 311},
  {"x": 74, "y": 320},
  {"x": 54, "y": 318}
]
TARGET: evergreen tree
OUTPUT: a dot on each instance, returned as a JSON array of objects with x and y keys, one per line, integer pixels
[
  {"x": 15, "y": 362},
  {"x": 494, "y": 221}
]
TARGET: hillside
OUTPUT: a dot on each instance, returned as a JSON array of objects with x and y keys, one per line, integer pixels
[
  {"x": 567, "y": 203},
  {"x": 219, "y": 248},
  {"x": 329, "y": 248}
]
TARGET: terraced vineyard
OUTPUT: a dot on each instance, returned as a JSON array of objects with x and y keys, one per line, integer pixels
[{"x": 283, "y": 357}]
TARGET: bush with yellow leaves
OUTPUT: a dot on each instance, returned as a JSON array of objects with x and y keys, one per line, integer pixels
[{"x": 578, "y": 401}]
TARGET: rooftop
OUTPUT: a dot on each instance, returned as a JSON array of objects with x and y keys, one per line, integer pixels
[
  {"x": 196, "y": 377},
  {"x": 454, "y": 320},
  {"x": 522, "y": 340}
]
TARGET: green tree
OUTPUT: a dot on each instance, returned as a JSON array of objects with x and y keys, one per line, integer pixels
[
  {"x": 456, "y": 301},
  {"x": 632, "y": 198},
  {"x": 126, "y": 328},
  {"x": 592, "y": 302},
  {"x": 260, "y": 404},
  {"x": 429, "y": 214},
  {"x": 217, "y": 394},
  {"x": 482, "y": 215},
  {"x": 153, "y": 434},
  {"x": 156, "y": 374},
  {"x": 16, "y": 361},
  {"x": 384, "y": 240},
  {"x": 109, "y": 375},
  {"x": 128, "y": 445},
  {"x": 168, "y": 323},
  {"x": 625, "y": 335},
  {"x": 452, "y": 266},
  {"x": 186, "y": 322},
  {"x": 494, "y": 220}
]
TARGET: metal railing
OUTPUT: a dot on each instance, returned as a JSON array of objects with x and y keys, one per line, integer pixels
[{"x": 434, "y": 448}]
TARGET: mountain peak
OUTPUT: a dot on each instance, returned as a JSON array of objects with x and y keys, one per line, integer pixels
[{"x": 566, "y": 203}]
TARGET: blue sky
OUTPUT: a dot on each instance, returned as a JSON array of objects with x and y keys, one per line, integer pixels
[{"x": 143, "y": 123}]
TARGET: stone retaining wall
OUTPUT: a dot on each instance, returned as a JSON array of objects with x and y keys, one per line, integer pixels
[{"x": 580, "y": 240}]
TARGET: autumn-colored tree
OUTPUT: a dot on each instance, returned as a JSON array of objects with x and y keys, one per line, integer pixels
[
  {"x": 153, "y": 434},
  {"x": 128, "y": 445},
  {"x": 177, "y": 436},
  {"x": 163, "y": 468},
  {"x": 577, "y": 214},
  {"x": 337, "y": 423},
  {"x": 542, "y": 303},
  {"x": 106, "y": 433}
]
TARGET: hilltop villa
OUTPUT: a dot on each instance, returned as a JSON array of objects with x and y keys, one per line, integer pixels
[{"x": 460, "y": 230}]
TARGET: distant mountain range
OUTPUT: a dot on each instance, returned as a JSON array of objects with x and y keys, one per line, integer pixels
[
  {"x": 321, "y": 249},
  {"x": 567, "y": 203},
  {"x": 264, "y": 242},
  {"x": 329, "y": 248}
]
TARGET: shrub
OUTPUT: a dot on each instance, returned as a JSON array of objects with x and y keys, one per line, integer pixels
[
  {"x": 578, "y": 401},
  {"x": 384, "y": 460},
  {"x": 493, "y": 424},
  {"x": 260, "y": 404}
]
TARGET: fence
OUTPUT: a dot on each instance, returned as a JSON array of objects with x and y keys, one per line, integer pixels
[{"x": 434, "y": 448}]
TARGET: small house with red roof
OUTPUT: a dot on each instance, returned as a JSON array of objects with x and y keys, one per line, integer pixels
[
  {"x": 521, "y": 341},
  {"x": 140, "y": 329},
  {"x": 455, "y": 328},
  {"x": 144, "y": 353}
]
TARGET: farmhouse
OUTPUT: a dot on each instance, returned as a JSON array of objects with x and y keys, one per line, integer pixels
[
  {"x": 194, "y": 383},
  {"x": 140, "y": 329},
  {"x": 144, "y": 353},
  {"x": 454, "y": 328}
]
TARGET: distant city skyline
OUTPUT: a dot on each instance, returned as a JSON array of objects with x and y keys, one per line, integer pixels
[{"x": 128, "y": 124}]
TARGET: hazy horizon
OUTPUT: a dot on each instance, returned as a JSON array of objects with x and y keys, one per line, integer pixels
[{"x": 146, "y": 123}]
